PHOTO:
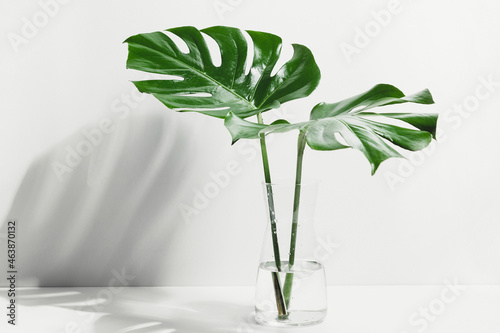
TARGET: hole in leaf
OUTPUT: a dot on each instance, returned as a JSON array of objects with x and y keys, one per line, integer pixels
[
  {"x": 154, "y": 76},
  {"x": 286, "y": 55},
  {"x": 181, "y": 45},
  {"x": 214, "y": 50},
  {"x": 389, "y": 121},
  {"x": 202, "y": 109},
  {"x": 340, "y": 139},
  {"x": 357, "y": 108},
  {"x": 250, "y": 52},
  {"x": 196, "y": 94}
]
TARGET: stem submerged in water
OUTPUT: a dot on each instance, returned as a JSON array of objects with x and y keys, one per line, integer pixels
[
  {"x": 287, "y": 289},
  {"x": 280, "y": 301}
]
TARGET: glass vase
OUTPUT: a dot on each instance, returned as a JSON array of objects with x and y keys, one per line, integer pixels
[{"x": 291, "y": 284}]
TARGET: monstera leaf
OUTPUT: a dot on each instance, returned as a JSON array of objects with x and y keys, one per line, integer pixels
[
  {"x": 196, "y": 84},
  {"x": 348, "y": 124}
]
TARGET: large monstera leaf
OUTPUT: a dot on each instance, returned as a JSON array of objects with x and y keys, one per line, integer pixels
[
  {"x": 198, "y": 85},
  {"x": 348, "y": 124}
]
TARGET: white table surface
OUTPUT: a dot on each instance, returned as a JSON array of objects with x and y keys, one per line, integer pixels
[{"x": 367, "y": 309}]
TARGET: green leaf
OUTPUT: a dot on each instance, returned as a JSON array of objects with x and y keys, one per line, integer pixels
[
  {"x": 366, "y": 136},
  {"x": 347, "y": 119},
  {"x": 423, "y": 121},
  {"x": 343, "y": 125},
  {"x": 202, "y": 87},
  {"x": 321, "y": 135},
  {"x": 280, "y": 122},
  {"x": 364, "y": 139},
  {"x": 380, "y": 95},
  {"x": 244, "y": 129},
  {"x": 408, "y": 139}
]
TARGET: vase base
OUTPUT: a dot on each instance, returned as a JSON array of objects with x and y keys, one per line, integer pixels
[{"x": 294, "y": 318}]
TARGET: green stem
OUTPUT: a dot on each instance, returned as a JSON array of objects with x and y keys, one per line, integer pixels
[
  {"x": 280, "y": 302},
  {"x": 287, "y": 289}
]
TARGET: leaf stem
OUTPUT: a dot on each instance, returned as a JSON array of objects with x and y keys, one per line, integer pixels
[
  {"x": 280, "y": 302},
  {"x": 301, "y": 144}
]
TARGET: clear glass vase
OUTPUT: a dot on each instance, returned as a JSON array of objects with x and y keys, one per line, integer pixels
[{"x": 291, "y": 284}]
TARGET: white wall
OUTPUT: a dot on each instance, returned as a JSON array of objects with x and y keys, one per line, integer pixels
[{"x": 419, "y": 222}]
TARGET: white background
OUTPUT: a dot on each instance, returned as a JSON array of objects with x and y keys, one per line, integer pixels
[{"x": 433, "y": 218}]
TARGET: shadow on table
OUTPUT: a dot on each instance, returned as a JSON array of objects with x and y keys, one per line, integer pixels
[{"x": 142, "y": 310}]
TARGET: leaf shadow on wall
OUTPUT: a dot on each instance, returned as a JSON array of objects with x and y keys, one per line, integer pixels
[{"x": 101, "y": 206}]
